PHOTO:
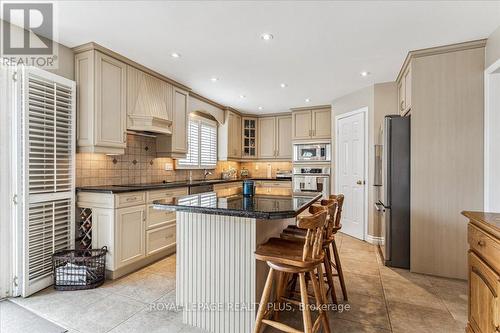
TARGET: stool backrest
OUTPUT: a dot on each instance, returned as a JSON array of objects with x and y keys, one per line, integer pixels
[
  {"x": 314, "y": 224},
  {"x": 340, "y": 202},
  {"x": 331, "y": 205}
]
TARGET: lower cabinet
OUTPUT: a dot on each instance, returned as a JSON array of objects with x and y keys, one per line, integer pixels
[
  {"x": 130, "y": 227},
  {"x": 134, "y": 232}
]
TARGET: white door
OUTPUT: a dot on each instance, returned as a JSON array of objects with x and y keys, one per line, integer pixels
[{"x": 350, "y": 164}]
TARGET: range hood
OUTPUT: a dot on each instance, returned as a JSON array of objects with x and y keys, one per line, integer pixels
[{"x": 149, "y": 108}]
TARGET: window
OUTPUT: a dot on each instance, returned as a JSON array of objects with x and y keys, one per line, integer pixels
[{"x": 202, "y": 144}]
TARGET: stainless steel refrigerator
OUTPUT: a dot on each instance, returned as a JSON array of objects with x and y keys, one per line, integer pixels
[{"x": 394, "y": 204}]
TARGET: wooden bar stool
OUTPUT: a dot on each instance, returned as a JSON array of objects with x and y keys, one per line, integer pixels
[
  {"x": 290, "y": 257},
  {"x": 337, "y": 225},
  {"x": 293, "y": 233}
]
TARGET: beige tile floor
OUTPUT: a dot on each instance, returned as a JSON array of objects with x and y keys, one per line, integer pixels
[{"x": 382, "y": 300}]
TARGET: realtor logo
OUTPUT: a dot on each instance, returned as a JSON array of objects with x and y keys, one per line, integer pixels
[{"x": 27, "y": 34}]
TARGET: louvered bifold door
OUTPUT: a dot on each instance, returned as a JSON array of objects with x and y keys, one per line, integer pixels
[{"x": 47, "y": 120}]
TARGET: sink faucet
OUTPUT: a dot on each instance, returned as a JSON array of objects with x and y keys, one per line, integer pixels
[{"x": 206, "y": 172}]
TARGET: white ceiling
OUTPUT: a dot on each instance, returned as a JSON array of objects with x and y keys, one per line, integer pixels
[{"x": 319, "y": 48}]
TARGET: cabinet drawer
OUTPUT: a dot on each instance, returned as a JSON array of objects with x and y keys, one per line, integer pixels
[
  {"x": 130, "y": 199},
  {"x": 159, "y": 239},
  {"x": 485, "y": 246},
  {"x": 224, "y": 186},
  {"x": 166, "y": 193},
  {"x": 157, "y": 217},
  {"x": 279, "y": 184}
]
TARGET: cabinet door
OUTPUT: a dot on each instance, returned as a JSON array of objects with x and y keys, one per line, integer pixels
[
  {"x": 407, "y": 84},
  {"x": 266, "y": 141},
  {"x": 249, "y": 137},
  {"x": 179, "y": 125},
  {"x": 401, "y": 96},
  {"x": 484, "y": 288},
  {"x": 130, "y": 234},
  {"x": 284, "y": 137},
  {"x": 110, "y": 101},
  {"x": 234, "y": 135},
  {"x": 302, "y": 128},
  {"x": 321, "y": 120}
]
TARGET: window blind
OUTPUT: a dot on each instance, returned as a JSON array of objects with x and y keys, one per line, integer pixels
[{"x": 202, "y": 144}]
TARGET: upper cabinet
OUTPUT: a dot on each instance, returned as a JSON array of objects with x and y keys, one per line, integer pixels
[
  {"x": 404, "y": 90},
  {"x": 274, "y": 137},
  {"x": 230, "y": 135},
  {"x": 310, "y": 124},
  {"x": 175, "y": 145},
  {"x": 101, "y": 103},
  {"x": 249, "y": 138},
  {"x": 149, "y": 102}
]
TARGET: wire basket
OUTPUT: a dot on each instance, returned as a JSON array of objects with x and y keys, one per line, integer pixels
[{"x": 79, "y": 269}]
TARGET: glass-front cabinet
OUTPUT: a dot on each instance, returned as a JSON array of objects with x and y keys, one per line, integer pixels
[{"x": 249, "y": 140}]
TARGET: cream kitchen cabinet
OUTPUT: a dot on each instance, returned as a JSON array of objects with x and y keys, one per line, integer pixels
[
  {"x": 310, "y": 124},
  {"x": 175, "y": 145},
  {"x": 149, "y": 102},
  {"x": 404, "y": 91},
  {"x": 101, "y": 82},
  {"x": 229, "y": 137},
  {"x": 274, "y": 138},
  {"x": 134, "y": 232},
  {"x": 249, "y": 138}
]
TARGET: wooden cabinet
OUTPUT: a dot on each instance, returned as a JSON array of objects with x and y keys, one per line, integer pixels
[
  {"x": 249, "y": 138},
  {"x": 130, "y": 228},
  {"x": 274, "y": 138},
  {"x": 135, "y": 233},
  {"x": 484, "y": 272},
  {"x": 149, "y": 102},
  {"x": 311, "y": 124},
  {"x": 267, "y": 137},
  {"x": 175, "y": 145},
  {"x": 404, "y": 91},
  {"x": 101, "y": 103},
  {"x": 229, "y": 137}
]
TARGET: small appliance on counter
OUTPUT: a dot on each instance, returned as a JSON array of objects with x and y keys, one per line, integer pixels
[
  {"x": 248, "y": 188},
  {"x": 229, "y": 174}
]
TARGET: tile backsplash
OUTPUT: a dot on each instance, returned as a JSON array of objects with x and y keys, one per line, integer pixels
[
  {"x": 259, "y": 169},
  {"x": 138, "y": 165}
]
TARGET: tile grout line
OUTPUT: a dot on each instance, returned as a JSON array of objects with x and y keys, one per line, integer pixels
[{"x": 383, "y": 289}]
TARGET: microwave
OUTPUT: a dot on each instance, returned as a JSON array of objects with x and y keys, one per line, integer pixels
[{"x": 316, "y": 152}]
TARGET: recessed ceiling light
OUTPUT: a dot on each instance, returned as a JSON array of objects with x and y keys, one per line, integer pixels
[
  {"x": 308, "y": 100},
  {"x": 364, "y": 73},
  {"x": 242, "y": 96},
  {"x": 260, "y": 108},
  {"x": 214, "y": 79},
  {"x": 266, "y": 36},
  {"x": 175, "y": 55},
  {"x": 283, "y": 85}
]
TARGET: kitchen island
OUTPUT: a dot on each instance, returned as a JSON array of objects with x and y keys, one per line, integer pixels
[{"x": 219, "y": 282}]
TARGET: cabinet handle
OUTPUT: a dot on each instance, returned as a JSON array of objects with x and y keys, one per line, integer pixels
[
  {"x": 481, "y": 243},
  {"x": 497, "y": 328},
  {"x": 130, "y": 199},
  {"x": 124, "y": 137},
  {"x": 402, "y": 105}
]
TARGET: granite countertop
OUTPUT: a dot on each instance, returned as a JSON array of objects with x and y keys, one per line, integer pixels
[
  {"x": 259, "y": 206},
  {"x": 491, "y": 221},
  {"x": 167, "y": 185}
]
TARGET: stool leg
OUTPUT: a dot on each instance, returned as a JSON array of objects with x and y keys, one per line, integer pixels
[
  {"x": 263, "y": 301},
  {"x": 319, "y": 303},
  {"x": 279, "y": 293},
  {"x": 339, "y": 269},
  {"x": 306, "y": 314},
  {"x": 329, "y": 276}
]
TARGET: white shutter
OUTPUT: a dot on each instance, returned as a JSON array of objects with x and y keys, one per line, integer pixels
[
  {"x": 191, "y": 159},
  {"x": 208, "y": 146},
  {"x": 47, "y": 143}
]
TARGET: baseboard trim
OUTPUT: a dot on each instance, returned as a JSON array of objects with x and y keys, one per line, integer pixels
[{"x": 375, "y": 240}]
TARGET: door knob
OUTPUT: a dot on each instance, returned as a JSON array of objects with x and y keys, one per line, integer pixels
[{"x": 360, "y": 182}]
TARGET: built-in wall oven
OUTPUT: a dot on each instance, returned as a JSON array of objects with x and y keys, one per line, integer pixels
[
  {"x": 311, "y": 179},
  {"x": 312, "y": 152}
]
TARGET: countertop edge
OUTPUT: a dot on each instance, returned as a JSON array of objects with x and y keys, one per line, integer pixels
[
  {"x": 490, "y": 222},
  {"x": 123, "y": 189}
]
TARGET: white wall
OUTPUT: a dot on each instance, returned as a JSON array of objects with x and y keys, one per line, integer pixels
[{"x": 492, "y": 50}]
